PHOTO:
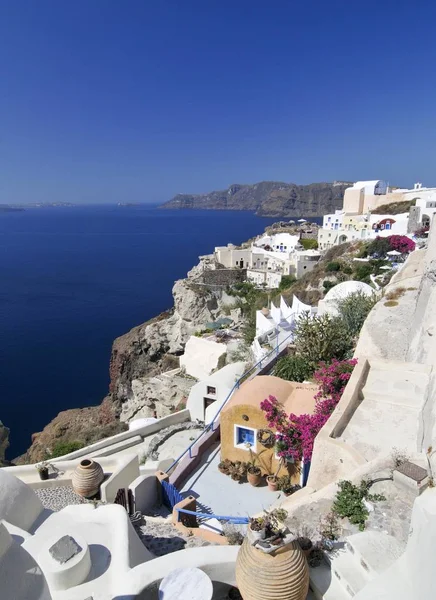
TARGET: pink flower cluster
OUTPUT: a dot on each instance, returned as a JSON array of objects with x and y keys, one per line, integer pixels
[
  {"x": 296, "y": 434},
  {"x": 401, "y": 243}
]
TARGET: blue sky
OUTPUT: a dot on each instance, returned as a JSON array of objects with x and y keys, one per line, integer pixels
[{"x": 137, "y": 100}]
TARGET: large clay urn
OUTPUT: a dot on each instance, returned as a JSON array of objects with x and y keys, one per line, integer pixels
[
  {"x": 283, "y": 575},
  {"x": 87, "y": 477}
]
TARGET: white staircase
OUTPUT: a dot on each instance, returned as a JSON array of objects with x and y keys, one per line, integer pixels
[{"x": 364, "y": 556}]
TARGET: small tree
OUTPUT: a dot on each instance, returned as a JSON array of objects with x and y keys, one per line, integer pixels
[
  {"x": 309, "y": 244},
  {"x": 293, "y": 368},
  {"x": 379, "y": 247},
  {"x": 354, "y": 309},
  {"x": 322, "y": 338},
  {"x": 286, "y": 282},
  {"x": 333, "y": 267}
]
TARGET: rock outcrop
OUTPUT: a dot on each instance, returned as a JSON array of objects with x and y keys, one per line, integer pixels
[
  {"x": 4, "y": 444},
  {"x": 269, "y": 199},
  {"x": 86, "y": 425}
]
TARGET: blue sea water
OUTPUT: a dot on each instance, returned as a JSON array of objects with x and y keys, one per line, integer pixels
[{"x": 72, "y": 280}]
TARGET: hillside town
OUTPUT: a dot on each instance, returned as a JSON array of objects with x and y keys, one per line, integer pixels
[{"x": 278, "y": 429}]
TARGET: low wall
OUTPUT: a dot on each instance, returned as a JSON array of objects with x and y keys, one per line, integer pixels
[
  {"x": 121, "y": 477},
  {"x": 332, "y": 458},
  {"x": 146, "y": 430},
  {"x": 144, "y": 490},
  {"x": 141, "y": 583},
  {"x": 187, "y": 464}
]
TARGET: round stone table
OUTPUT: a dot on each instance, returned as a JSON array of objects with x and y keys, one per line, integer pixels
[{"x": 186, "y": 584}]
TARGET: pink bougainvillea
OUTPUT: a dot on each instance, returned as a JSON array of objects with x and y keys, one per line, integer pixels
[
  {"x": 401, "y": 243},
  {"x": 296, "y": 433}
]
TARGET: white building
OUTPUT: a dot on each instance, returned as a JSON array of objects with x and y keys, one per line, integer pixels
[
  {"x": 232, "y": 257},
  {"x": 206, "y": 396}
]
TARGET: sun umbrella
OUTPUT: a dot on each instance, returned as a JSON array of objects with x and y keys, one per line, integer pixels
[
  {"x": 386, "y": 268},
  {"x": 302, "y": 220},
  {"x": 394, "y": 253}
]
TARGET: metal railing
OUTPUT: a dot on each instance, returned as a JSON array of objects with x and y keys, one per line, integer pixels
[
  {"x": 234, "y": 520},
  {"x": 210, "y": 427}
]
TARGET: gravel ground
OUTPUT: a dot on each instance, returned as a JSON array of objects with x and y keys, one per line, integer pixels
[
  {"x": 163, "y": 538},
  {"x": 58, "y": 498}
]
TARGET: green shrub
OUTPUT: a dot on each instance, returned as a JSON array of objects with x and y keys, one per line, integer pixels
[
  {"x": 347, "y": 269},
  {"x": 322, "y": 338},
  {"x": 293, "y": 368},
  {"x": 61, "y": 448},
  {"x": 286, "y": 282},
  {"x": 327, "y": 285},
  {"x": 380, "y": 247},
  {"x": 362, "y": 272},
  {"x": 349, "y": 502},
  {"x": 309, "y": 244},
  {"x": 333, "y": 267},
  {"x": 354, "y": 309}
]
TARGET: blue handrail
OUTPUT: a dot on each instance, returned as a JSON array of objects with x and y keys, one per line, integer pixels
[
  {"x": 234, "y": 520},
  {"x": 235, "y": 387}
]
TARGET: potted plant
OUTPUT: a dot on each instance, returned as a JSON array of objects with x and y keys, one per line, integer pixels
[
  {"x": 224, "y": 466},
  {"x": 42, "y": 469},
  {"x": 316, "y": 556},
  {"x": 273, "y": 483},
  {"x": 286, "y": 485},
  {"x": 257, "y": 528},
  {"x": 306, "y": 545},
  {"x": 254, "y": 474}
]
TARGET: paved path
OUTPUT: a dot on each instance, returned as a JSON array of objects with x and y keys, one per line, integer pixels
[{"x": 219, "y": 494}]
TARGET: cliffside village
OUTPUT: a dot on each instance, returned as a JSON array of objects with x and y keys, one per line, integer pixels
[{"x": 297, "y": 466}]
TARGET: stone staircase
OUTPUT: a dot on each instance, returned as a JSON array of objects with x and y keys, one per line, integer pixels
[
  {"x": 390, "y": 412},
  {"x": 349, "y": 568}
]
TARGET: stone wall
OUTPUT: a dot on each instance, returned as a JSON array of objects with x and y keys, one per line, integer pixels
[{"x": 223, "y": 277}]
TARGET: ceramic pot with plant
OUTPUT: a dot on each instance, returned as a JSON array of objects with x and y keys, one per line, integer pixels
[
  {"x": 224, "y": 466},
  {"x": 42, "y": 469},
  {"x": 273, "y": 483},
  {"x": 306, "y": 545},
  {"x": 254, "y": 474},
  {"x": 257, "y": 528}
]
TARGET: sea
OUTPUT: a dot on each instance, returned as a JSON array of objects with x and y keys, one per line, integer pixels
[{"x": 72, "y": 279}]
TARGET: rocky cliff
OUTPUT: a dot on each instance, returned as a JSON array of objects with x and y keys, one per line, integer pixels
[
  {"x": 269, "y": 199},
  {"x": 4, "y": 443}
]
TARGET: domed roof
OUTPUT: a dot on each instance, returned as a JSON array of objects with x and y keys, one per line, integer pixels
[
  {"x": 346, "y": 288},
  {"x": 19, "y": 505}
]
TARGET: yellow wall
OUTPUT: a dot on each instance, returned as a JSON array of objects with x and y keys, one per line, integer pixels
[{"x": 256, "y": 420}]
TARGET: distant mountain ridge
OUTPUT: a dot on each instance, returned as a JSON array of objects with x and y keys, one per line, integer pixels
[{"x": 268, "y": 199}]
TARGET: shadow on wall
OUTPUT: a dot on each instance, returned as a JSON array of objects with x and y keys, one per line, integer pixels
[{"x": 100, "y": 561}]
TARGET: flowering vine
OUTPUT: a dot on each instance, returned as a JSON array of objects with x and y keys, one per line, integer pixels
[{"x": 296, "y": 433}]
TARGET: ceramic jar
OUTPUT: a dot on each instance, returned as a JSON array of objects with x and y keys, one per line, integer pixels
[
  {"x": 87, "y": 477},
  {"x": 282, "y": 575}
]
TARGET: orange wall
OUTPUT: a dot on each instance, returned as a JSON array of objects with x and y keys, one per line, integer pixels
[{"x": 256, "y": 420}]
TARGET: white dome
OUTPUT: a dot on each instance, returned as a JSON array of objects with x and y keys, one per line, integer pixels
[
  {"x": 19, "y": 504},
  {"x": 346, "y": 288}
]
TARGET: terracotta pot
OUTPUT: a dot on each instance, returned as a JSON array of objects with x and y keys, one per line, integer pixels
[
  {"x": 87, "y": 477},
  {"x": 254, "y": 479},
  {"x": 282, "y": 575},
  {"x": 273, "y": 483}
]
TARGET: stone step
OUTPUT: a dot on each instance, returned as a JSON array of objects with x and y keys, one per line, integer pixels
[
  {"x": 348, "y": 571},
  {"x": 399, "y": 383},
  {"x": 375, "y": 551},
  {"x": 324, "y": 587},
  {"x": 365, "y": 433},
  {"x": 113, "y": 448}
]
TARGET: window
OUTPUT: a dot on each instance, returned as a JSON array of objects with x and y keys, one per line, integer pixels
[
  {"x": 210, "y": 390},
  {"x": 245, "y": 436}
]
